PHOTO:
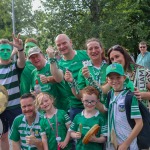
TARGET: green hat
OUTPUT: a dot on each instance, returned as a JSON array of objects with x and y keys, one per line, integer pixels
[{"x": 115, "y": 68}]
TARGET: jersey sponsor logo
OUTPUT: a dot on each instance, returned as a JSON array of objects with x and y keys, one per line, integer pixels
[
  {"x": 74, "y": 63},
  {"x": 121, "y": 107}
]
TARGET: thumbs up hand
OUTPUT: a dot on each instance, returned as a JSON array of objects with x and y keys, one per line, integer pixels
[{"x": 31, "y": 139}]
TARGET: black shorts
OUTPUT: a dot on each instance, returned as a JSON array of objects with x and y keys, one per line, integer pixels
[{"x": 8, "y": 116}]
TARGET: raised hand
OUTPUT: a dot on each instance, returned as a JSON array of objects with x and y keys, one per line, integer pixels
[
  {"x": 85, "y": 72},
  {"x": 68, "y": 76},
  {"x": 17, "y": 42},
  {"x": 43, "y": 78},
  {"x": 50, "y": 52}
]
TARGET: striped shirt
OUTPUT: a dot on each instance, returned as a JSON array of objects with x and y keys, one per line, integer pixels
[
  {"x": 119, "y": 119},
  {"x": 10, "y": 80},
  {"x": 20, "y": 129}
]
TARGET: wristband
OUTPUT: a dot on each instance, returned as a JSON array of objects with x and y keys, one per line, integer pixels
[
  {"x": 72, "y": 84},
  {"x": 93, "y": 83},
  {"x": 20, "y": 50},
  {"x": 52, "y": 60},
  {"x": 75, "y": 85}
]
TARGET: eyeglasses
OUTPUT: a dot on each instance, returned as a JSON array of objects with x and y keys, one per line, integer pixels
[
  {"x": 143, "y": 47},
  {"x": 92, "y": 102}
]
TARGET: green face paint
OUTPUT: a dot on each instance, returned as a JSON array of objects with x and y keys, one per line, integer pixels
[
  {"x": 29, "y": 45},
  {"x": 5, "y": 51}
]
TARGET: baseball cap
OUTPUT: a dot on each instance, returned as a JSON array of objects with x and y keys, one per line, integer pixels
[
  {"x": 115, "y": 68},
  {"x": 34, "y": 50}
]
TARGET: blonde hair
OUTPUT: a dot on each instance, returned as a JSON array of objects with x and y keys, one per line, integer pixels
[{"x": 39, "y": 98}]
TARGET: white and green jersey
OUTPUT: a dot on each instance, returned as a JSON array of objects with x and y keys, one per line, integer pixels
[
  {"x": 73, "y": 66},
  {"x": 9, "y": 78},
  {"x": 86, "y": 124},
  {"x": 98, "y": 74},
  {"x": 55, "y": 126},
  {"x": 117, "y": 118},
  {"x": 20, "y": 129}
]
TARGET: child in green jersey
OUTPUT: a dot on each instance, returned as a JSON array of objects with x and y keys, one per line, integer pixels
[
  {"x": 85, "y": 120},
  {"x": 54, "y": 124},
  {"x": 120, "y": 135}
]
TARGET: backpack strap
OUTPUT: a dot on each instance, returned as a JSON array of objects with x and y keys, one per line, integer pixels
[
  {"x": 108, "y": 97},
  {"x": 128, "y": 101}
]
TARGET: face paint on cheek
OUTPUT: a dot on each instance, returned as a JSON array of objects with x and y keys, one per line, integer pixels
[
  {"x": 28, "y": 45},
  {"x": 5, "y": 51}
]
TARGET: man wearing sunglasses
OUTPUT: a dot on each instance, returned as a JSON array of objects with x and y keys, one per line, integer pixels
[{"x": 143, "y": 58}]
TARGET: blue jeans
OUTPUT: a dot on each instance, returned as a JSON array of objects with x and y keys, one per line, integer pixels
[{"x": 73, "y": 112}]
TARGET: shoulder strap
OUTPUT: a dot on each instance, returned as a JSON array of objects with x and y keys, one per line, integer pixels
[
  {"x": 128, "y": 101},
  {"x": 108, "y": 97}
]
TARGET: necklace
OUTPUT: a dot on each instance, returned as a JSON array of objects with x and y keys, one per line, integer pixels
[{"x": 56, "y": 121}]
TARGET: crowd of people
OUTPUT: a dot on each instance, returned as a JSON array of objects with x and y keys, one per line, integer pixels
[{"x": 72, "y": 97}]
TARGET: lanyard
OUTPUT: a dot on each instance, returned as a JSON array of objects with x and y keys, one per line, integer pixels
[
  {"x": 56, "y": 121},
  {"x": 97, "y": 72}
]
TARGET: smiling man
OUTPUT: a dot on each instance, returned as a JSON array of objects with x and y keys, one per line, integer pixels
[
  {"x": 143, "y": 58},
  {"x": 25, "y": 131}
]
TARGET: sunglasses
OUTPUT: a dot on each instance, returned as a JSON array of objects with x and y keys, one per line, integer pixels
[{"x": 143, "y": 47}]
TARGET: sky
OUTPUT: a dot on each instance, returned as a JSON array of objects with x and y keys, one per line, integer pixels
[{"x": 36, "y": 4}]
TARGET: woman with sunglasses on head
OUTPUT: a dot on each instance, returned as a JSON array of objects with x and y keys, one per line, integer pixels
[{"x": 136, "y": 73}]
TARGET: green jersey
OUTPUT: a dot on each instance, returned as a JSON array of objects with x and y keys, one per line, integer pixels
[
  {"x": 48, "y": 87},
  {"x": 73, "y": 66},
  {"x": 98, "y": 74},
  {"x": 87, "y": 124},
  {"x": 20, "y": 129},
  {"x": 26, "y": 78},
  {"x": 55, "y": 127}
]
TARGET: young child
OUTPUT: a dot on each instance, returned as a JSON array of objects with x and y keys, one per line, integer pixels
[
  {"x": 120, "y": 133},
  {"x": 85, "y": 120},
  {"x": 54, "y": 125}
]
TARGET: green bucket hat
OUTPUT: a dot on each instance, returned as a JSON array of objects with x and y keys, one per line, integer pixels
[{"x": 115, "y": 68}]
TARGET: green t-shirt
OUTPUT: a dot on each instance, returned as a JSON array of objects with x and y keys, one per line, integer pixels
[
  {"x": 58, "y": 127},
  {"x": 74, "y": 66},
  {"x": 20, "y": 129},
  {"x": 58, "y": 90},
  {"x": 48, "y": 87},
  {"x": 87, "y": 124},
  {"x": 64, "y": 96},
  {"x": 98, "y": 74},
  {"x": 26, "y": 78}
]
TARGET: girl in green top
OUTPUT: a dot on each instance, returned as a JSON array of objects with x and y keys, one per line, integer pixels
[{"x": 54, "y": 124}]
